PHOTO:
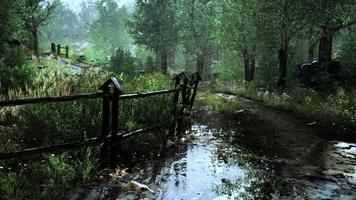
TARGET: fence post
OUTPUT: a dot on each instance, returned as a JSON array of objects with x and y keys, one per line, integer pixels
[
  {"x": 184, "y": 100},
  {"x": 108, "y": 150},
  {"x": 67, "y": 51},
  {"x": 195, "y": 78},
  {"x": 105, "y": 126},
  {"x": 53, "y": 48},
  {"x": 58, "y": 49},
  {"x": 114, "y": 121},
  {"x": 175, "y": 102}
]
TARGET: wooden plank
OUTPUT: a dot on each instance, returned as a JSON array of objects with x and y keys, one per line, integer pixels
[
  {"x": 147, "y": 94},
  {"x": 40, "y": 100},
  {"x": 50, "y": 149}
]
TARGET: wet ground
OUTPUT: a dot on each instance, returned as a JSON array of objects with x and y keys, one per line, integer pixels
[{"x": 258, "y": 153}]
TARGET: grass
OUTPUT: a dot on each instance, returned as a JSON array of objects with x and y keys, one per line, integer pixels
[
  {"x": 218, "y": 104},
  {"x": 336, "y": 110},
  {"x": 51, "y": 176}
]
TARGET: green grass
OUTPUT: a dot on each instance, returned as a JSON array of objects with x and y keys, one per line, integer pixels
[
  {"x": 218, "y": 104},
  {"x": 333, "y": 109},
  {"x": 21, "y": 127}
]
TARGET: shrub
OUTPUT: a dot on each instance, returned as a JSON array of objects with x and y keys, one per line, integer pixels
[
  {"x": 13, "y": 186},
  {"x": 14, "y": 71},
  {"x": 122, "y": 62}
]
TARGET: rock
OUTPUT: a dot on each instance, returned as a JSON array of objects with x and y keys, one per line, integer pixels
[
  {"x": 183, "y": 140},
  {"x": 138, "y": 188},
  {"x": 170, "y": 143},
  {"x": 312, "y": 123},
  {"x": 191, "y": 137}
]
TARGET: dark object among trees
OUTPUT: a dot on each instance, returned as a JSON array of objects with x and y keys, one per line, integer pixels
[
  {"x": 14, "y": 42},
  {"x": 318, "y": 76}
]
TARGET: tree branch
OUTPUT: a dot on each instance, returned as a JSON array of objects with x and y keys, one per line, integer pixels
[{"x": 342, "y": 26}]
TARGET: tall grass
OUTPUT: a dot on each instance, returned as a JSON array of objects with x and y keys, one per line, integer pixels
[
  {"x": 53, "y": 123},
  {"x": 334, "y": 109}
]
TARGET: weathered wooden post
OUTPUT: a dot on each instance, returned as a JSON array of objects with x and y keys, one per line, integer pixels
[
  {"x": 114, "y": 121},
  {"x": 67, "y": 51},
  {"x": 108, "y": 150},
  {"x": 53, "y": 48},
  {"x": 175, "y": 102},
  {"x": 195, "y": 78},
  {"x": 184, "y": 100},
  {"x": 58, "y": 49}
]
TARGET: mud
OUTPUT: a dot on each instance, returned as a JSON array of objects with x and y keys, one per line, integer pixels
[{"x": 260, "y": 153}]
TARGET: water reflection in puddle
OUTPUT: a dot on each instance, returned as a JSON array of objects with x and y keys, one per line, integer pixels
[
  {"x": 207, "y": 169},
  {"x": 196, "y": 175}
]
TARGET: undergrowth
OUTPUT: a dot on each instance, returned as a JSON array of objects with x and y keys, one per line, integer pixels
[{"x": 21, "y": 127}]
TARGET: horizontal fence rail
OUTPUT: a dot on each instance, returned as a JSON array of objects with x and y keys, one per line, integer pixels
[
  {"x": 57, "y": 99},
  {"x": 185, "y": 86}
]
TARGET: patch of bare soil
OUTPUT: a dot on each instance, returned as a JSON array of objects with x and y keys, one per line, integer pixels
[{"x": 318, "y": 168}]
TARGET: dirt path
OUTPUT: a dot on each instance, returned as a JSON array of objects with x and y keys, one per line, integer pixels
[
  {"x": 258, "y": 153},
  {"x": 322, "y": 169}
]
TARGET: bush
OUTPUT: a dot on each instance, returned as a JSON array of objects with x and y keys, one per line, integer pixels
[
  {"x": 14, "y": 70},
  {"x": 122, "y": 62}
]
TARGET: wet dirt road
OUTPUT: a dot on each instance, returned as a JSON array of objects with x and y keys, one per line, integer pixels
[{"x": 259, "y": 153}]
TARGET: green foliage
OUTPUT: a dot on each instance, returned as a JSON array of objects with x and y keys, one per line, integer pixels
[
  {"x": 85, "y": 164},
  {"x": 14, "y": 71},
  {"x": 347, "y": 55},
  {"x": 11, "y": 15},
  {"x": 123, "y": 62},
  {"x": 13, "y": 186},
  {"x": 108, "y": 33},
  {"x": 62, "y": 27},
  {"x": 336, "y": 110},
  {"x": 219, "y": 104}
]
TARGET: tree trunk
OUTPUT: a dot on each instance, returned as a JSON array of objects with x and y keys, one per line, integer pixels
[
  {"x": 200, "y": 64},
  {"x": 246, "y": 64},
  {"x": 311, "y": 51},
  {"x": 252, "y": 68},
  {"x": 35, "y": 43},
  {"x": 283, "y": 61},
  {"x": 164, "y": 62},
  {"x": 326, "y": 45}
]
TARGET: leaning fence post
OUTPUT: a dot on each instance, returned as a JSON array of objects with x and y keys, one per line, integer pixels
[
  {"x": 196, "y": 78},
  {"x": 175, "y": 102},
  {"x": 105, "y": 125},
  {"x": 184, "y": 100}
]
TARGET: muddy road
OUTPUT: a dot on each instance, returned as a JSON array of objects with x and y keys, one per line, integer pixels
[{"x": 254, "y": 153}]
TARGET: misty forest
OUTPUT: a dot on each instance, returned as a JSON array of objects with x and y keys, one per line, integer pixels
[{"x": 177, "y": 99}]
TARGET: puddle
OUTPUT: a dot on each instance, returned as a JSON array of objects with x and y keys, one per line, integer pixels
[
  {"x": 212, "y": 167},
  {"x": 244, "y": 157}
]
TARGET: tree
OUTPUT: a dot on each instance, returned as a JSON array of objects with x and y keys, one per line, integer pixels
[
  {"x": 108, "y": 32},
  {"x": 63, "y": 26},
  {"x": 37, "y": 13},
  {"x": 154, "y": 25},
  {"x": 330, "y": 16},
  {"x": 198, "y": 25},
  {"x": 238, "y": 32},
  {"x": 11, "y": 15},
  {"x": 279, "y": 22}
]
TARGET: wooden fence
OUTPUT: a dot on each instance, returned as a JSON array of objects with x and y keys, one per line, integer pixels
[
  {"x": 57, "y": 50},
  {"x": 185, "y": 89}
]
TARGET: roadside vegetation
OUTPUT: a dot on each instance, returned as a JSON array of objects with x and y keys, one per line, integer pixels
[
  {"x": 292, "y": 55},
  {"x": 21, "y": 127}
]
